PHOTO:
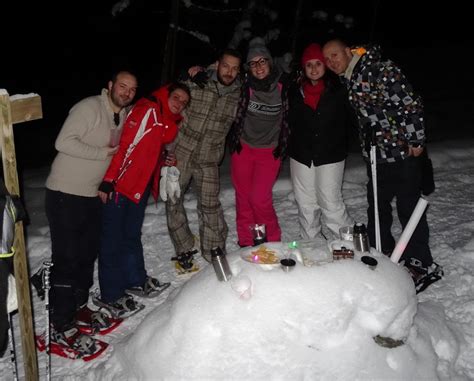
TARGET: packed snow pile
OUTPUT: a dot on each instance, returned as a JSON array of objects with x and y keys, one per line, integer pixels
[{"x": 315, "y": 322}]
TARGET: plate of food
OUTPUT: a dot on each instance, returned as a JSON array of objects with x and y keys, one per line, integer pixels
[{"x": 266, "y": 255}]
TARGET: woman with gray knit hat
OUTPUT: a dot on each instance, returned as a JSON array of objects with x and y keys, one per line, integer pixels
[{"x": 258, "y": 143}]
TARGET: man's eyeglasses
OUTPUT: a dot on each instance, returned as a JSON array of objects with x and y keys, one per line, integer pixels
[{"x": 260, "y": 62}]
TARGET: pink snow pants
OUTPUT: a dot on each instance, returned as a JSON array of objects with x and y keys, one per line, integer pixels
[{"x": 254, "y": 172}]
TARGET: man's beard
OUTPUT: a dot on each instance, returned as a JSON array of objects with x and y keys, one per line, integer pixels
[
  {"x": 119, "y": 101},
  {"x": 221, "y": 80}
]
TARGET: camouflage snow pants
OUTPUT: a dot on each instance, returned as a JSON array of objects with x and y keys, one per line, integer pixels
[{"x": 212, "y": 226}]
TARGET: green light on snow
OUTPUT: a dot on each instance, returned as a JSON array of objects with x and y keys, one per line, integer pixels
[{"x": 293, "y": 245}]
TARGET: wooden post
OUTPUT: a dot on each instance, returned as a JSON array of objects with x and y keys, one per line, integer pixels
[{"x": 16, "y": 111}]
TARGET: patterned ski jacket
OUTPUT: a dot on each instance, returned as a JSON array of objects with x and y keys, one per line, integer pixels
[
  {"x": 390, "y": 113},
  {"x": 208, "y": 118},
  {"x": 148, "y": 126}
]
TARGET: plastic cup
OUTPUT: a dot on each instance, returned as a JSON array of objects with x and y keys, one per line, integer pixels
[
  {"x": 115, "y": 137},
  {"x": 242, "y": 285},
  {"x": 346, "y": 233}
]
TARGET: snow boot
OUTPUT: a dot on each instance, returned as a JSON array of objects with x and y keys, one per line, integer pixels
[
  {"x": 423, "y": 276},
  {"x": 150, "y": 289},
  {"x": 122, "y": 308},
  {"x": 185, "y": 262},
  {"x": 72, "y": 344},
  {"x": 91, "y": 322}
]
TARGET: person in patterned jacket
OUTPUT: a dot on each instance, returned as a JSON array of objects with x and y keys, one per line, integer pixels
[
  {"x": 390, "y": 116},
  {"x": 199, "y": 149}
]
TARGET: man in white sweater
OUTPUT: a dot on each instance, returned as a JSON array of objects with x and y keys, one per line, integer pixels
[{"x": 86, "y": 143}]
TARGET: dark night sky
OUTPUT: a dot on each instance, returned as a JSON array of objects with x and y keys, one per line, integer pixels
[{"x": 69, "y": 50}]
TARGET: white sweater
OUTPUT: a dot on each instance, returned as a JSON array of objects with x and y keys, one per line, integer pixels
[{"x": 82, "y": 144}]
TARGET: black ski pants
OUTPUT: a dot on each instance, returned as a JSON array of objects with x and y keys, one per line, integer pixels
[
  {"x": 75, "y": 224},
  {"x": 4, "y": 272},
  {"x": 400, "y": 180}
]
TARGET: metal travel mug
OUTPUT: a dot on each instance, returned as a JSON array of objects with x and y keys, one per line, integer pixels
[
  {"x": 360, "y": 238},
  {"x": 220, "y": 264}
]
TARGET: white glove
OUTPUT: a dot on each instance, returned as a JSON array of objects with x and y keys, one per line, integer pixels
[
  {"x": 164, "y": 173},
  {"x": 169, "y": 184},
  {"x": 172, "y": 184}
]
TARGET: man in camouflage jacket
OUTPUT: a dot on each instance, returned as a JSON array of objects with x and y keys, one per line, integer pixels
[{"x": 199, "y": 150}]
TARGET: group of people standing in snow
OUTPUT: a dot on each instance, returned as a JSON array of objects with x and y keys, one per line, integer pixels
[{"x": 99, "y": 185}]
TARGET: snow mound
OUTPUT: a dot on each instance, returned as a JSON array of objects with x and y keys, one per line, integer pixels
[{"x": 266, "y": 323}]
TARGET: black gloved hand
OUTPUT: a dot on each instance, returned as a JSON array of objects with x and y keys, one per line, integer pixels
[
  {"x": 106, "y": 187},
  {"x": 234, "y": 142},
  {"x": 280, "y": 152},
  {"x": 200, "y": 79},
  {"x": 183, "y": 75}
]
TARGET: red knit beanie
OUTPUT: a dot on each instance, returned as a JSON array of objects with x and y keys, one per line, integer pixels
[{"x": 312, "y": 51}]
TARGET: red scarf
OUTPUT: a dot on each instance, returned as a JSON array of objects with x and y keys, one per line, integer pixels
[{"x": 312, "y": 93}]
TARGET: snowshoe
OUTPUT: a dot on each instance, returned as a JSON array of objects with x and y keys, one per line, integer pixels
[
  {"x": 435, "y": 273},
  {"x": 150, "y": 289},
  {"x": 72, "y": 344},
  {"x": 122, "y": 308},
  {"x": 424, "y": 276},
  {"x": 91, "y": 322},
  {"x": 38, "y": 282},
  {"x": 185, "y": 262}
]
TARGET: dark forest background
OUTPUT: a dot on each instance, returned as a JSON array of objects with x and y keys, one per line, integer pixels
[{"x": 67, "y": 51}]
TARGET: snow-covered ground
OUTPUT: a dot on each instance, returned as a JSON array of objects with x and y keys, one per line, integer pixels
[{"x": 312, "y": 323}]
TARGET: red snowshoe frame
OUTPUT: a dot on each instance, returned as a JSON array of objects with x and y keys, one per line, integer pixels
[{"x": 69, "y": 353}]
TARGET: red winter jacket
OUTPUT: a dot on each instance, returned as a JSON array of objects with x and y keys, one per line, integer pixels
[{"x": 148, "y": 126}]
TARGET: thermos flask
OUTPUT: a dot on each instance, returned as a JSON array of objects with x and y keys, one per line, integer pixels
[
  {"x": 360, "y": 238},
  {"x": 220, "y": 264}
]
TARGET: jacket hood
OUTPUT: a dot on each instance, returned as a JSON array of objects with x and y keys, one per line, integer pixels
[
  {"x": 373, "y": 53},
  {"x": 162, "y": 95}
]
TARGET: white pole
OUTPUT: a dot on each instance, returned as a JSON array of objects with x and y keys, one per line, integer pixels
[
  {"x": 373, "y": 166},
  {"x": 409, "y": 229}
]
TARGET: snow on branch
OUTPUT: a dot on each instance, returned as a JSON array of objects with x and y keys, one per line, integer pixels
[
  {"x": 120, "y": 7},
  {"x": 241, "y": 32},
  {"x": 322, "y": 15},
  {"x": 348, "y": 21},
  {"x": 189, "y": 4},
  {"x": 200, "y": 36}
]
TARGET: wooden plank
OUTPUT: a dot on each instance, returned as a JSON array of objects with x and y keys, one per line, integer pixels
[
  {"x": 19, "y": 260},
  {"x": 25, "y": 108}
]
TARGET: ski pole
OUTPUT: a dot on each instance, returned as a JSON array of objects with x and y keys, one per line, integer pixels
[
  {"x": 11, "y": 341},
  {"x": 373, "y": 165},
  {"x": 46, "y": 286},
  {"x": 409, "y": 229}
]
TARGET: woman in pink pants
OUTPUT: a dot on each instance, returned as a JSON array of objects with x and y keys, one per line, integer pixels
[{"x": 257, "y": 142}]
